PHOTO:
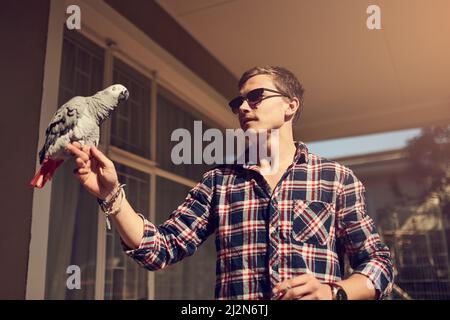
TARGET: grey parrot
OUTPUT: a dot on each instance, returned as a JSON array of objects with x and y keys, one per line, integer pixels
[{"x": 78, "y": 120}]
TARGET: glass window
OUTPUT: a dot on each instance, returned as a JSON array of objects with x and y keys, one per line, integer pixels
[
  {"x": 73, "y": 211},
  {"x": 193, "y": 277},
  {"x": 173, "y": 114},
  {"x": 130, "y": 125},
  {"x": 124, "y": 278},
  {"x": 81, "y": 67}
]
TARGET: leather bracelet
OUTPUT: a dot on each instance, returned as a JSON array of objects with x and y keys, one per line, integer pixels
[
  {"x": 110, "y": 195},
  {"x": 108, "y": 206}
]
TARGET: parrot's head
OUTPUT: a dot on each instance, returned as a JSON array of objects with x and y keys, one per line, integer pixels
[
  {"x": 105, "y": 101},
  {"x": 119, "y": 91},
  {"x": 116, "y": 92}
]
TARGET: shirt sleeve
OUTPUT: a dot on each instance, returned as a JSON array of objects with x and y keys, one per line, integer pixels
[
  {"x": 367, "y": 254},
  {"x": 180, "y": 235}
]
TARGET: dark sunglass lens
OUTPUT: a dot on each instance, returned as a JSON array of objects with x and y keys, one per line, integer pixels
[
  {"x": 236, "y": 103},
  {"x": 255, "y": 95}
]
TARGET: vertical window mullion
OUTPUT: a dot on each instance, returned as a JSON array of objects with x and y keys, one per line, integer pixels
[
  {"x": 153, "y": 116},
  {"x": 105, "y": 133},
  {"x": 130, "y": 130},
  {"x": 153, "y": 145}
]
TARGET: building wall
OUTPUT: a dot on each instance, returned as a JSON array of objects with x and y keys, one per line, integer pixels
[
  {"x": 163, "y": 29},
  {"x": 23, "y": 29}
]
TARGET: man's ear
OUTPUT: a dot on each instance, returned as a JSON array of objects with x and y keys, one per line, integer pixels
[{"x": 293, "y": 106}]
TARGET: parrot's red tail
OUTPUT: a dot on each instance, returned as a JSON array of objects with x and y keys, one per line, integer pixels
[{"x": 45, "y": 172}]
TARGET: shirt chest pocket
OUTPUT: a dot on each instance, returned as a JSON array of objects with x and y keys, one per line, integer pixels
[{"x": 312, "y": 221}]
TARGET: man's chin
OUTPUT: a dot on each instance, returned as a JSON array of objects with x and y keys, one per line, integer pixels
[
  {"x": 255, "y": 128},
  {"x": 246, "y": 127}
]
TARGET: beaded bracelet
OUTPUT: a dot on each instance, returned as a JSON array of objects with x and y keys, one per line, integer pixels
[{"x": 107, "y": 206}]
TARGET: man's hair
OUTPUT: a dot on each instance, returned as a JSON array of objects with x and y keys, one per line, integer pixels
[{"x": 284, "y": 80}]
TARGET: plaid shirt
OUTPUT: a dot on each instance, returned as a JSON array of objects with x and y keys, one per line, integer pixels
[{"x": 265, "y": 236}]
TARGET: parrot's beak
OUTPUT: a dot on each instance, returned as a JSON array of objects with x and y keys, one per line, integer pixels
[{"x": 124, "y": 95}]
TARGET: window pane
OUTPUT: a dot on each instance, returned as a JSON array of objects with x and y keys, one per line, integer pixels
[
  {"x": 130, "y": 125},
  {"x": 193, "y": 277},
  {"x": 81, "y": 67},
  {"x": 172, "y": 115},
  {"x": 124, "y": 278},
  {"x": 73, "y": 211}
]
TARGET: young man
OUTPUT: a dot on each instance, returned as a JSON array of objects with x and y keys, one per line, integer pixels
[{"x": 279, "y": 232}]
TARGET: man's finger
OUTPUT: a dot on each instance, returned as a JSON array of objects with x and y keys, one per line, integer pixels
[
  {"x": 279, "y": 294},
  {"x": 77, "y": 152},
  {"x": 297, "y": 292},
  {"x": 77, "y": 144},
  {"x": 81, "y": 171},
  {"x": 100, "y": 156},
  {"x": 294, "y": 282},
  {"x": 299, "y": 280},
  {"x": 86, "y": 149},
  {"x": 80, "y": 163}
]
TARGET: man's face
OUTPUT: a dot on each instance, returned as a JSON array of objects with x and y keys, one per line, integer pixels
[{"x": 268, "y": 113}]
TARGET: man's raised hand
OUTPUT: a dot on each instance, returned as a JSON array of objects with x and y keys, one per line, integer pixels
[{"x": 94, "y": 170}]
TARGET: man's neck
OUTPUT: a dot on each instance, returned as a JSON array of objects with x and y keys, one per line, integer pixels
[
  {"x": 281, "y": 147},
  {"x": 286, "y": 146}
]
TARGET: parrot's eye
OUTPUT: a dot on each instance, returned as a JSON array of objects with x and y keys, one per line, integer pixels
[{"x": 113, "y": 88}]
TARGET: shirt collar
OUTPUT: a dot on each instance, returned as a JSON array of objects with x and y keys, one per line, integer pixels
[
  {"x": 301, "y": 156},
  {"x": 302, "y": 153}
]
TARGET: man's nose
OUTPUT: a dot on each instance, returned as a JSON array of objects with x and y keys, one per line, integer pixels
[{"x": 245, "y": 107}]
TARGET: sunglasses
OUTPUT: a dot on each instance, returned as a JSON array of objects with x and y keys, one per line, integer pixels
[{"x": 253, "y": 97}]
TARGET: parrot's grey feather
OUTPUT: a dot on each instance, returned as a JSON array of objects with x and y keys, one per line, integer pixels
[{"x": 63, "y": 122}]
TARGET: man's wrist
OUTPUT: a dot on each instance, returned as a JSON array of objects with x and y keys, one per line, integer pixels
[
  {"x": 328, "y": 292},
  {"x": 107, "y": 197},
  {"x": 337, "y": 292},
  {"x": 113, "y": 205}
]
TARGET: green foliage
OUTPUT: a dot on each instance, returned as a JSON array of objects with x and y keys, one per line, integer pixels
[{"x": 429, "y": 156}]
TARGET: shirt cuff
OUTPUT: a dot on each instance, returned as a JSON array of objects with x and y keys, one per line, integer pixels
[
  {"x": 148, "y": 242},
  {"x": 377, "y": 279}
]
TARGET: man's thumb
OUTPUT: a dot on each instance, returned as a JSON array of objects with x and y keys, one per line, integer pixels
[{"x": 99, "y": 156}]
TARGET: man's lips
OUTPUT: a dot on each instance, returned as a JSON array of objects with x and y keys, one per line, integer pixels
[{"x": 246, "y": 120}]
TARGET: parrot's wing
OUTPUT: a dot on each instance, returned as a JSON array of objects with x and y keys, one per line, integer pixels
[{"x": 64, "y": 120}]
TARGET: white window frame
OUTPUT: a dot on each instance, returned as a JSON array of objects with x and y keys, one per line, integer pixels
[{"x": 103, "y": 25}]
